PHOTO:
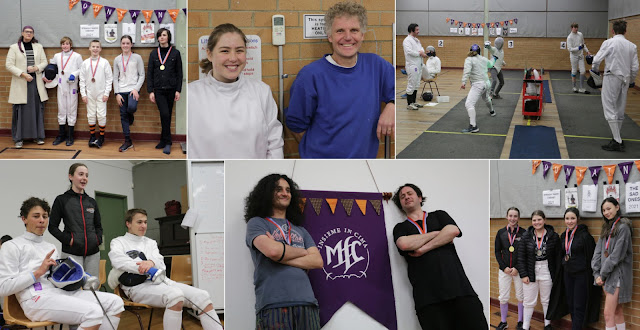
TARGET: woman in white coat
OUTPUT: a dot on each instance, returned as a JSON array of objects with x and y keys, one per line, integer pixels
[{"x": 26, "y": 61}]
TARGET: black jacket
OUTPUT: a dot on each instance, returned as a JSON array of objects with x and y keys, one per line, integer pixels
[
  {"x": 503, "y": 256},
  {"x": 168, "y": 79},
  {"x": 81, "y": 218},
  {"x": 527, "y": 256},
  {"x": 580, "y": 261}
]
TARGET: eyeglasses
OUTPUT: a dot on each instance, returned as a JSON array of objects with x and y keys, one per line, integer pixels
[{"x": 27, "y": 32}]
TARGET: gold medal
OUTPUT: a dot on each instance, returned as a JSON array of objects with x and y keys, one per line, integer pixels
[
  {"x": 566, "y": 257},
  {"x": 162, "y": 67},
  {"x": 511, "y": 249},
  {"x": 606, "y": 254}
]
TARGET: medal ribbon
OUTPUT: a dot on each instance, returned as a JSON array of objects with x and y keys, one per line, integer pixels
[
  {"x": 567, "y": 242},
  {"x": 511, "y": 240},
  {"x": 423, "y": 229},
  {"x": 64, "y": 65},
  {"x": 606, "y": 246},
  {"x": 539, "y": 243},
  {"x": 166, "y": 56},
  {"x": 93, "y": 72},
  {"x": 124, "y": 66},
  {"x": 282, "y": 231}
]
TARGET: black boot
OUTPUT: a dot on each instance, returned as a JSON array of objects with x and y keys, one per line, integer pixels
[
  {"x": 92, "y": 140},
  {"x": 60, "y": 137},
  {"x": 70, "y": 136},
  {"x": 100, "y": 141}
]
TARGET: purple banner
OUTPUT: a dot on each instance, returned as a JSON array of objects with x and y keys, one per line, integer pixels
[
  {"x": 85, "y": 5},
  {"x": 134, "y": 14},
  {"x": 108, "y": 11},
  {"x": 568, "y": 170},
  {"x": 185, "y": 11},
  {"x": 594, "y": 171},
  {"x": 625, "y": 168},
  {"x": 160, "y": 14},
  {"x": 545, "y": 168},
  {"x": 355, "y": 254}
]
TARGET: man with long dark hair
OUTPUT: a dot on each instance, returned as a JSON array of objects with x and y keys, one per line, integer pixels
[{"x": 282, "y": 252}]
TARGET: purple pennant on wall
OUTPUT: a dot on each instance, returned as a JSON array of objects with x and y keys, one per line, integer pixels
[
  {"x": 356, "y": 258},
  {"x": 85, "y": 5},
  {"x": 160, "y": 14},
  {"x": 545, "y": 168},
  {"x": 568, "y": 170},
  {"x": 515, "y": 20},
  {"x": 134, "y": 14},
  {"x": 625, "y": 168},
  {"x": 108, "y": 11},
  {"x": 594, "y": 171}
]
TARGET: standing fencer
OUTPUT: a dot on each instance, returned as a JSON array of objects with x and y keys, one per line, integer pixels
[
  {"x": 497, "y": 79},
  {"x": 475, "y": 69},
  {"x": 135, "y": 257},
  {"x": 96, "y": 79},
  {"x": 413, "y": 54},
  {"x": 620, "y": 74},
  {"x": 25, "y": 262},
  {"x": 575, "y": 45}
]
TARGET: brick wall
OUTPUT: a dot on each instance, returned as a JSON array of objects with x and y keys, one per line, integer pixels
[
  {"x": 631, "y": 310},
  {"x": 254, "y": 17},
  {"x": 147, "y": 118}
]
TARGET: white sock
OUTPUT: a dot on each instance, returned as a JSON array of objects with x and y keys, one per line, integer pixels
[
  {"x": 472, "y": 116},
  {"x": 620, "y": 326},
  {"x": 105, "y": 323},
  {"x": 172, "y": 319},
  {"x": 615, "y": 131},
  {"x": 208, "y": 323},
  {"x": 581, "y": 80},
  {"x": 526, "y": 320},
  {"x": 544, "y": 310},
  {"x": 612, "y": 328}
]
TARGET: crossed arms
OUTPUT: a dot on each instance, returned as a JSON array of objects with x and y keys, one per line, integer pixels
[
  {"x": 420, "y": 244},
  {"x": 293, "y": 256}
]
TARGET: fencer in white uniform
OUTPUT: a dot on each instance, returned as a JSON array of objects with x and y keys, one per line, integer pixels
[
  {"x": 413, "y": 54},
  {"x": 575, "y": 46},
  {"x": 620, "y": 72},
  {"x": 126, "y": 257},
  {"x": 24, "y": 266},
  {"x": 69, "y": 64},
  {"x": 476, "y": 67},
  {"x": 497, "y": 79},
  {"x": 433, "y": 66},
  {"x": 96, "y": 79}
]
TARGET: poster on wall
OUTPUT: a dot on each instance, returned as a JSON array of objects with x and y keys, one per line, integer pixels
[
  {"x": 612, "y": 190},
  {"x": 110, "y": 33},
  {"x": 570, "y": 197},
  {"x": 632, "y": 198},
  {"x": 90, "y": 31},
  {"x": 130, "y": 30},
  {"x": 589, "y": 198},
  {"x": 147, "y": 33},
  {"x": 551, "y": 197}
]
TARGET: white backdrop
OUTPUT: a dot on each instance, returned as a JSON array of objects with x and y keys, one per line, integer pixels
[{"x": 459, "y": 187}]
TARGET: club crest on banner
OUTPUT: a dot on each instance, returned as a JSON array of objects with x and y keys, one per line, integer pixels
[{"x": 345, "y": 253}]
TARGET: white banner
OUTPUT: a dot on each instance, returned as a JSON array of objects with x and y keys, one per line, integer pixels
[
  {"x": 110, "y": 33},
  {"x": 633, "y": 197},
  {"x": 589, "y": 198},
  {"x": 570, "y": 197},
  {"x": 551, "y": 197}
]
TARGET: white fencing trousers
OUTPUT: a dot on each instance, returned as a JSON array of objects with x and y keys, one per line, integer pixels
[
  {"x": 67, "y": 105},
  {"x": 614, "y": 102},
  {"x": 414, "y": 73},
  {"x": 96, "y": 109},
  {"x": 542, "y": 284},
  {"x": 72, "y": 307},
  {"x": 504, "y": 285},
  {"x": 478, "y": 89},
  {"x": 164, "y": 296},
  {"x": 577, "y": 61}
]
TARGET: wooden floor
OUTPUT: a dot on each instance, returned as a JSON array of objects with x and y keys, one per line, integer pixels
[
  {"x": 81, "y": 150},
  {"x": 512, "y": 320},
  {"x": 410, "y": 123}
]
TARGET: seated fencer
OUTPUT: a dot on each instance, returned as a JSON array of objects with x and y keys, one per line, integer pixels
[
  {"x": 49, "y": 289},
  {"x": 139, "y": 269}
]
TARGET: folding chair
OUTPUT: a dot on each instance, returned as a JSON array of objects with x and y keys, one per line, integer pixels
[
  {"x": 181, "y": 269},
  {"x": 14, "y": 315}
]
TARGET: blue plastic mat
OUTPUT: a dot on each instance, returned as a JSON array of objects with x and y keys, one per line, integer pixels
[
  {"x": 534, "y": 142},
  {"x": 546, "y": 91}
]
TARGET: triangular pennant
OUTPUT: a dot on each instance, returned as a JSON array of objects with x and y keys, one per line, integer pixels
[
  {"x": 515, "y": 20},
  {"x": 348, "y": 205},
  {"x": 160, "y": 14},
  {"x": 134, "y": 14},
  {"x": 511, "y": 22},
  {"x": 637, "y": 164},
  {"x": 317, "y": 204},
  {"x": 482, "y": 25},
  {"x": 376, "y": 205},
  {"x": 534, "y": 165},
  {"x": 448, "y": 19},
  {"x": 568, "y": 170},
  {"x": 580, "y": 171},
  {"x": 610, "y": 170},
  {"x": 594, "y": 172},
  {"x": 147, "y": 15},
  {"x": 625, "y": 168},
  {"x": 73, "y": 3},
  {"x": 557, "y": 168},
  {"x": 185, "y": 11},
  {"x": 362, "y": 205},
  {"x": 85, "y": 6},
  {"x": 303, "y": 203},
  {"x": 96, "y": 9},
  {"x": 108, "y": 11},
  {"x": 173, "y": 13},
  {"x": 332, "y": 204},
  {"x": 545, "y": 168},
  {"x": 121, "y": 12}
]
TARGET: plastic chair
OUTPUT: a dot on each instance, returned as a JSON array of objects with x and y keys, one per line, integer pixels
[
  {"x": 14, "y": 315},
  {"x": 134, "y": 307},
  {"x": 103, "y": 274},
  {"x": 181, "y": 269}
]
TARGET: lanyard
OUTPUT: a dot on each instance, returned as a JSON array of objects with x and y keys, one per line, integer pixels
[
  {"x": 539, "y": 243},
  {"x": 93, "y": 72},
  {"x": 606, "y": 247},
  {"x": 282, "y": 231},
  {"x": 567, "y": 242},
  {"x": 124, "y": 66},
  {"x": 165, "y": 57},
  {"x": 64, "y": 65},
  {"x": 512, "y": 239},
  {"x": 422, "y": 230}
]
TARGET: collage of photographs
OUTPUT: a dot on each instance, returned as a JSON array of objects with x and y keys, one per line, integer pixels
[{"x": 313, "y": 164}]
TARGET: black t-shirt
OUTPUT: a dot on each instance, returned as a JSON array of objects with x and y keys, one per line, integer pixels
[{"x": 437, "y": 275}]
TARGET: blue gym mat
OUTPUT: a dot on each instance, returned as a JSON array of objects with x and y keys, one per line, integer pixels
[
  {"x": 546, "y": 91},
  {"x": 534, "y": 142}
]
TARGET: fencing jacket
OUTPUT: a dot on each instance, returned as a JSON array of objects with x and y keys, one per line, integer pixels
[
  {"x": 574, "y": 40},
  {"x": 622, "y": 58},
  {"x": 72, "y": 67},
  {"x": 103, "y": 76},
  {"x": 122, "y": 262}
]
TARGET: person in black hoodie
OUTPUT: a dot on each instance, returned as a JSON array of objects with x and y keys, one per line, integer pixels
[
  {"x": 82, "y": 232},
  {"x": 573, "y": 291},
  {"x": 164, "y": 83},
  {"x": 537, "y": 263}
]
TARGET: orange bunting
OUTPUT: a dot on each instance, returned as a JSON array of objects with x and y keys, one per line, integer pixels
[
  {"x": 557, "y": 169},
  {"x": 121, "y": 13},
  {"x": 535, "y": 165},
  {"x": 580, "y": 171},
  {"x": 637, "y": 162},
  {"x": 511, "y": 21},
  {"x": 303, "y": 202},
  {"x": 448, "y": 19},
  {"x": 482, "y": 25},
  {"x": 73, "y": 3},
  {"x": 96, "y": 9},
  {"x": 362, "y": 205},
  {"x": 332, "y": 204},
  {"x": 610, "y": 170},
  {"x": 147, "y": 15},
  {"x": 173, "y": 13}
]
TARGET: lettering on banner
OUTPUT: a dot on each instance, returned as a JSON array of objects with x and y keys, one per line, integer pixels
[{"x": 345, "y": 253}]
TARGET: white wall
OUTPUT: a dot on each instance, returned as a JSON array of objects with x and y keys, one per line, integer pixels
[
  {"x": 47, "y": 179},
  {"x": 459, "y": 187}
]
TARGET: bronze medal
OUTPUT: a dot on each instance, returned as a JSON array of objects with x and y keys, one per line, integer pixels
[
  {"x": 539, "y": 253},
  {"x": 162, "y": 67},
  {"x": 606, "y": 254},
  {"x": 511, "y": 249},
  {"x": 62, "y": 72},
  {"x": 566, "y": 257},
  {"x": 93, "y": 79}
]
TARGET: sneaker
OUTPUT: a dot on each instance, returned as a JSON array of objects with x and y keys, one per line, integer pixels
[
  {"x": 403, "y": 71},
  {"x": 59, "y": 139},
  {"x": 492, "y": 113},
  {"x": 403, "y": 96},
  {"x": 125, "y": 146},
  {"x": 39, "y": 141},
  {"x": 519, "y": 326},
  {"x": 471, "y": 129},
  {"x": 613, "y": 146},
  {"x": 412, "y": 106},
  {"x": 160, "y": 145},
  {"x": 575, "y": 89},
  {"x": 548, "y": 327},
  {"x": 99, "y": 142},
  {"x": 497, "y": 97},
  {"x": 583, "y": 91},
  {"x": 502, "y": 326},
  {"x": 92, "y": 141},
  {"x": 19, "y": 144},
  {"x": 167, "y": 149},
  {"x": 417, "y": 105}
]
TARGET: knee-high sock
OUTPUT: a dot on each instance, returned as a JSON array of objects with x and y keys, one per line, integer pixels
[
  {"x": 172, "y": 319},
  {"x": 105, "y": 323},
  {"x": 615, "y": 130},
  {"x": 472, "y": 116},
  {"x": 528, "y": 313},
  {"x": 208, "y": 323},
  {"x": 544, "y": 309},
  {"x": 581, "y": 80},
  {"x": 520, "y": 307},
  {"x": 504, "y": 310},
  {"x": 621, "y": 326},
  {"x": 612, "y": 328}
]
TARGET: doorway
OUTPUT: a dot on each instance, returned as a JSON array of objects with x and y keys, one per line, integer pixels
[{"x": 112, "y": 210}]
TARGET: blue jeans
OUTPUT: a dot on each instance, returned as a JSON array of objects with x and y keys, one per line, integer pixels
[{"x": 128, "y": 108}]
